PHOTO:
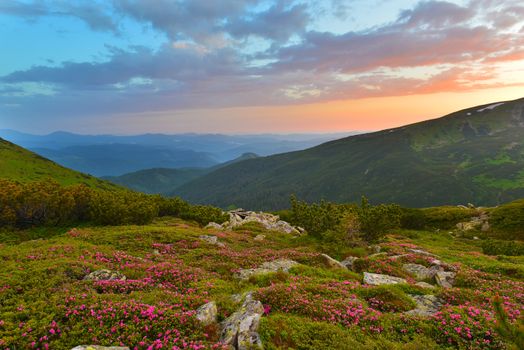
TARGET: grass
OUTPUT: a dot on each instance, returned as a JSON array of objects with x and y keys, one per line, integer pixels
[
  {"x": 171, "y": 272},
  {"x": 21, "y": 165}
]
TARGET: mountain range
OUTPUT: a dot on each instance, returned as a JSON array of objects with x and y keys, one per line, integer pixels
[
  {"x": 110, "y": 155},
  {"x": 473, "y": 155},
  {"x": 165, "y": 180}
]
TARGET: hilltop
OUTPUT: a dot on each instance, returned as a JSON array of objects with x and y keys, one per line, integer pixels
[
  {"x": 473, "y": 155},
  {"x": 21, "y": 165},
  {"x": 167, "y": 180}
]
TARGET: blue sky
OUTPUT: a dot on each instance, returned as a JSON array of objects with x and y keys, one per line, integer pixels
[{"x": 128, "y": 66}]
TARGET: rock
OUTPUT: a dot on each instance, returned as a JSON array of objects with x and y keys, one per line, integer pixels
[
  {"x": 212, "y": 240},
  {"x": 239, "y": 217},
  {"x": 427, "y": 305},
  {"x": 421, "y": 252},
  {"x": 445, "y": 279},
  {"x": 237, "y": 298},
  {"x": 471, "y": 205},
  {"x": 105, "y": 275},
  {"x": 349, "y": 261},
  {"x": 468, "y": 225},
  {"x": 214, "y": 225},
  {"x": 331, "y": 263},
  {"x": 376, "y": 279},
  {"x": 421, "y": 272},
  {"x": 239, "y": 330},
  {"x": 377, "y": 255},
  {"x": 209, "y": 239},
  {"x": 98, "y": 347},
  {"x": 270, "y": 266},
  {"x": 396, "y": 257},
  {"x": 425, "y": 285},
  {"x": 259, "y": 238},
  {"x": 475, "y": 238},
  {"x": 207, "y": 313},
  {"x": 375, "y": 248},
  {"x": 485, "y": 226}
]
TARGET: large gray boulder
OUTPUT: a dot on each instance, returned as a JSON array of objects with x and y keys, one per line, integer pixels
[
  {"x": 331, "y": 263},
  {"x": 349, "y": 261},
  {"x": 105, "y": 275},
  {"x": 239, "y": 217},
  {"x": 376, "y": 279},
  {"x": 445, "y": 279},
  {"x": 239, "y": 331},
  {"x": 207, "y": 313},
  {"x": 427, "y": 305},
  {"x": 270, "y": 266},
  {"x": 421, "y": 272}
]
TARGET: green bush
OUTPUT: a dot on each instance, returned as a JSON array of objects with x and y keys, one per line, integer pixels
[
  {"x": 47, "y": 203},
  {"x": 446, "y": 218},
  {"x": 499, "y": 247},
  {"x": 204, "y": 214},
  {"x": 387, "y": 298},
  {"x": 412, "y": 219},
  {"x": 376, "y": 220},
  {"x": 509, "y": 219},
  {"x": 315, "y": 218}
]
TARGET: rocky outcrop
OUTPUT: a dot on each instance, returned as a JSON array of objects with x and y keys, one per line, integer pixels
[
  {"x": 105, "y": 275},
  {"x": 421, "y": 252},
  {"x": 214, "y": 225},
  {"x": 212, "y": 240},
  {"x": 239, "y": 217},
  {"x": 376, "y": 279},
  {"x": 427, "y": 305},
  {"x": 424, "y": 285},
  {"x": 349, "y": 261},
  {"x": 98, "y": 347},
  {"x": 259, "y": 238},
  {"x": 421, "y": 272},
  {"x": 331, "y": 263},
  {"x": 239, "y": 331},
  {"x": 270, "y": 266},
  {"x": 207, "y": 313},
  {"x": 479, "y": 222},
  {"x": 445, "y": 279}
]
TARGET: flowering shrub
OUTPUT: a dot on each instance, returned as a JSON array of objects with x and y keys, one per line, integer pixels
[
  {"x": 332, "y": 302},
  {"x": 467, "y": 326}
]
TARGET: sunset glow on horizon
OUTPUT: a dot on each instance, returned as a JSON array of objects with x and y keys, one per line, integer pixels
[{"x": 253, "y": 66}]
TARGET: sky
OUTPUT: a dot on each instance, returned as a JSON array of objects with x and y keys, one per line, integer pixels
[{"x": 252, "y": 66}]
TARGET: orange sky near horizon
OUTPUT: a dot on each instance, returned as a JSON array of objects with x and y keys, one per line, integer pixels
[{"x": 366, "y": 114}]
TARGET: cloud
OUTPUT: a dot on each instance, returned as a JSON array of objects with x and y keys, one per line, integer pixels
[
  {"x": 181, "y": 64},
  {"x": 277, "y": 23},
  {"x": 93, "y": 14},
  {"x": 436, "y": 46}
]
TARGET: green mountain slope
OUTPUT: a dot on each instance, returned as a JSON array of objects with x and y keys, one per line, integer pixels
[
  {"x": 157, "y": 180},
  {"x": 474, "y": 155},
  {"x": 19, "y": 164},
  {"x": 166, "y": 180}
]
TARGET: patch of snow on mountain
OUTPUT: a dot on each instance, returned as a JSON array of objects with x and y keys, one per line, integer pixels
[{"x": 490, "y": 107}]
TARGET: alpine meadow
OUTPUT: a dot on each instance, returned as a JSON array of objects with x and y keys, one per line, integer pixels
[{"x": 262, "y": 174}]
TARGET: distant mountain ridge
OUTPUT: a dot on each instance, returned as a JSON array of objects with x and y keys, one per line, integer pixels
[
  {"x": 165, "y": 180},
  {"x": 474, "y": 155},
  {"x": 110, "y": 155}
]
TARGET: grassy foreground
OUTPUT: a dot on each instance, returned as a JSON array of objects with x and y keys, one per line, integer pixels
[{"x": 46, "y": 304}]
